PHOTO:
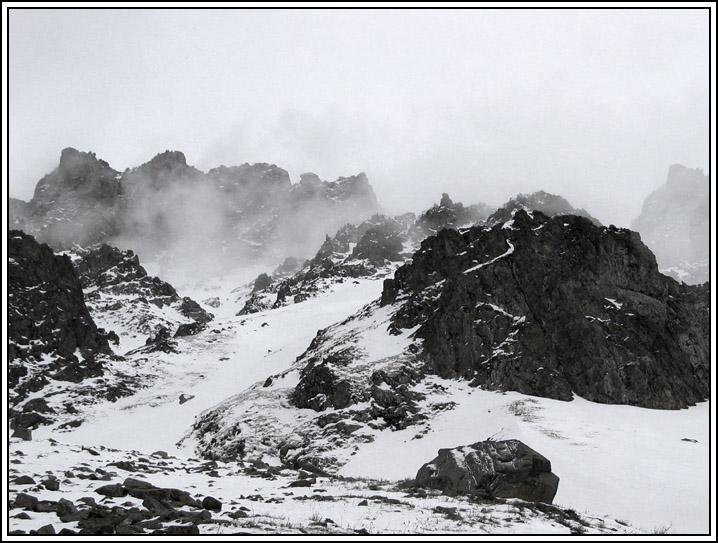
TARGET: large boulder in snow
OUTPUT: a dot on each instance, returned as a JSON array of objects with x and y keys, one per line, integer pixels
[{"x": 502, "y": 469}]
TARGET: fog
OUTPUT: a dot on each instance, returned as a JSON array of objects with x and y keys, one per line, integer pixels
[{"x": 594, "y": 105}]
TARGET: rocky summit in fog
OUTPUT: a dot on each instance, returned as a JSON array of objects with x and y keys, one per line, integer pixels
[
  {"x": 675, "y": 224},
  {"x": 169, "y": 209}
]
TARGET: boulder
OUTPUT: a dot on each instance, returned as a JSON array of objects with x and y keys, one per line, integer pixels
[{"x": 493, "y": 469}]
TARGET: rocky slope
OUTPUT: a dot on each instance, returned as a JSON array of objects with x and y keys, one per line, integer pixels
[
  {"x": 555, "y": 307},
  {"x": 125, "y": 299},
  {"x": 552, "y": 307},
  {"x": 376, "y": 247},
  {"x": 51, "y": 335},
  {"x": 59, "y": 360},
  {"x": 675, "y": 224}
]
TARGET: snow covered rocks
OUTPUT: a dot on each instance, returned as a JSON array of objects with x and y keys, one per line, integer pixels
[
  {"x": 554, "y": 307},
  {"x": 493, "y": 469}
]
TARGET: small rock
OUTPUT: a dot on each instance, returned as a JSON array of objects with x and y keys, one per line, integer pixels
[
  {"x": 363, "y": 503},
  {"x": 24, "y": 480},
  {"x": 22, "y": 516},
  {"x": 48, "y": 529},
  {"x": 190, "y": 529},
  {"x": 211, "y": 503},
  {"x": 23, "y": 433},
  {"x": 185, "y": 398},
  {"x": 67, "y": 531},
  {"x": 51, "y": 484},
  {"x": 112, "y": 491},
  {"x": 136, "y": 483},
  {"x": 302, "y": 482},
  {"x": 161, "y": 454},
  {"x": 25, "y": 501}
]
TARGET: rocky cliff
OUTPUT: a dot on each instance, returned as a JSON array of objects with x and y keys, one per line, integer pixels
[
  {"x": 555, "y": 307},
  {"x": 166, "y": 208},
  {"x": 675, "y": 224},
  {"x": 51, "y": 335}
]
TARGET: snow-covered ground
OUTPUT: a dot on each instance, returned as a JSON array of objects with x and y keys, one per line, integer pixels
[{"x": 646, "y": 469}]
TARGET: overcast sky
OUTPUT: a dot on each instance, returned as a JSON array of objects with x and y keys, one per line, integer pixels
[{"x": 594, "y": 105}]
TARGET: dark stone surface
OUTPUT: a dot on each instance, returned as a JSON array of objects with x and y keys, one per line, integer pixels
[
  {"x": 539, "y": 318},
  {"x": 491, "y": 469},
  {"x": 213, "y": 504},
  {"x": 47, "y": 315}
]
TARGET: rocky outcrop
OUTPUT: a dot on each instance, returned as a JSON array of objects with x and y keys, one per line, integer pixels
[
  {"x": 119, "y": 291},
  {"x": 491, "y": 469},
  {"x": 548, "y": 204},
  {"x": 76, "y": 203},
  {"x": 555, "y": 307},
  {"x": 51, "y": 334},
  {"x": 447, "y": 214},
  {"x": 675, "y": 224}
]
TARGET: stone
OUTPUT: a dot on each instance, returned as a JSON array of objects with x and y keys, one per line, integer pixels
[
  {"x": 491, "y": 469},
  {"x": 489, "y": 320},
  {"x": 25, "y": 501},
  {"x": 211, "y": 503},
  {"x": 51, "y": 483},
  {"x": 24, "y": 480},
  {"x": 48, "y": 529},
  {"x": 112, "y": 491}
]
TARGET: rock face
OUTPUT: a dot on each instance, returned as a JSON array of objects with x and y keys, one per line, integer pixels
[
  {"x": 120, "y": 292},
  {"x": 50, "y": 331},
  {"x": 76, "y": 203},
  {"x": 161, "y": 208},
  {"x": 447, "y": 214},
  {"x": 548, "y": 204},
  {"x": 675, "y": 224},
  {"x": 493, "y": 469},
  {"x": 554, "y": 307}
]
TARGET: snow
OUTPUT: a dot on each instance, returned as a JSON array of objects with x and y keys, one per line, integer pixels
[
  {"x": 252, "y": 353},
  {"x": 627, "y": 462},
  {"x": 614, "y": 462},
  {"x": 479, "y": 266}
]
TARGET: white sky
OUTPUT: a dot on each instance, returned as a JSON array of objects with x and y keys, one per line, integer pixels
[{"x": 594, "y": 105}]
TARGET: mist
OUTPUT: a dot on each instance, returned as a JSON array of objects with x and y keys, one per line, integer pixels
[{"x": 594, "y": 105}]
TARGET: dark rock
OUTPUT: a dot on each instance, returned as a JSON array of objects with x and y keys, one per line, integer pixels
[
  {"x": 262, "y": 282},
  {"x": 48, "y": 529},
  {"x": 67, "y": 531},
  {"x": 190, "y": 529},
  {"x": 136, "y": 483},
  {"x": 185, "y": 398},
  {"x": 112, "y": 491},
  {"x": 22, "y": 516},
  {"x": 124, "y": 465},
  {"x": 23, "y": 433},
  {"x": 484, "y": 316},
  {"x": 302, "y": 483},
  {"x": 504, "y": 469},
  {"x": 363, "y": 503},
  {"x": 211, "y": 503},
  {"x": 51, "y": 484},
  {"x": 64, "y": 508},
  {"x": 24, "y": 480},
  {"x": 47, "y": 315},
  {"x": 190, "y": 329},
  {"x": 25, "y": 501}
]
